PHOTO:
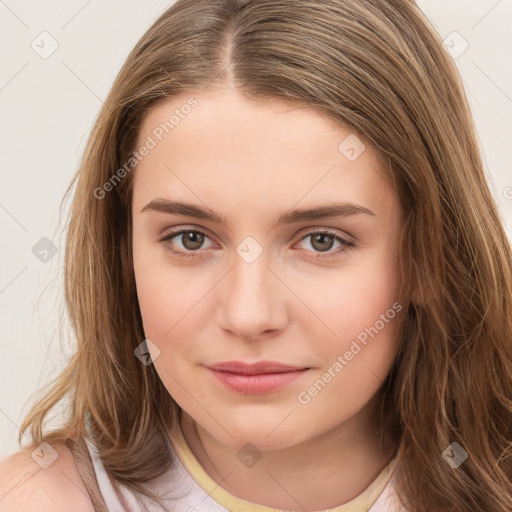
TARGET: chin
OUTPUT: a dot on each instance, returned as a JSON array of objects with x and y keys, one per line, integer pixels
[{"x": 262, "y": 434}]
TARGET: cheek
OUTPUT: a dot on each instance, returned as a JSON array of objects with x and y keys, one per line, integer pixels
[
  {"x": 172, "y": 317},
  {"x": 169, "y": 319},
  {"x": 357, "y": 358},
  {"x": 170, "y": 308},
  {"x": 358, "y": 310}
]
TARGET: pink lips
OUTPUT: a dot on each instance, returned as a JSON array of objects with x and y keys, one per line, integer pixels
[{"x": 256, "y": 378}]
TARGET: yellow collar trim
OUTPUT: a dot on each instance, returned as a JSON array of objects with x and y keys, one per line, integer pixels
[{"x": 361, "y": 503}]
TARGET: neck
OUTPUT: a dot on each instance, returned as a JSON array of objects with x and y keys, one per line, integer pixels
[{"x": 323, "y": 472}]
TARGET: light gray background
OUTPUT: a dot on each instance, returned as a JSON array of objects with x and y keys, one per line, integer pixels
[{"x": 47, "y": 108}]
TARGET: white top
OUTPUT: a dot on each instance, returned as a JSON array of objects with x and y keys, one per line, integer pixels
[{"x": 186, "y": 487}]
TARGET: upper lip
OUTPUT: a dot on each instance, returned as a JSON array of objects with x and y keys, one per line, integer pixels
[{"x": 254, "y": 368}]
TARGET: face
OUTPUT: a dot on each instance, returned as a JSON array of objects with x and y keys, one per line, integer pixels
[{"x": 246, "y": 274}]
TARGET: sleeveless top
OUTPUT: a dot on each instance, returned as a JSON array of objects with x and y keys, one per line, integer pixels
[{"x": 186, "y": 487}]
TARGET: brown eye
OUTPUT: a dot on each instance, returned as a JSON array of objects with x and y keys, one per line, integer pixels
[
  {"x": 185, "y": 242},
  {"x": 192, "y": 240},
  {"x": 322, "y": 241}
]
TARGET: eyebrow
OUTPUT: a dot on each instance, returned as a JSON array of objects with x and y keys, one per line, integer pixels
[{"x": 330, "y": 210}]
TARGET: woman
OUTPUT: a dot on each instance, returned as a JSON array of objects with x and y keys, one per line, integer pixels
[{"x": 226, "y": 358}]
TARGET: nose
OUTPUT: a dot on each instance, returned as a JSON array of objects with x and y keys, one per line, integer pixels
[{"x": 253, "y": 300}]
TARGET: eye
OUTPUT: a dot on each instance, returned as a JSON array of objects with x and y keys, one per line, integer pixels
[
  {"x": 323, "y": 241},
  {"x": 191, "y": 242}
]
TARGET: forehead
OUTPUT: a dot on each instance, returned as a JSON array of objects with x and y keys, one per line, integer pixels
[
  {"x": 221, "y": 117},
  {"x": 228, "y": 146}
]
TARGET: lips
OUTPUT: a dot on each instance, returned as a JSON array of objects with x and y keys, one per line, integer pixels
[
  {"x": 261, "y": 367},
  {"x": 255, "y": 378}
]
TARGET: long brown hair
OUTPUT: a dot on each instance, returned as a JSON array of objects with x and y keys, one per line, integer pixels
[{"x": 377, "y": 67}]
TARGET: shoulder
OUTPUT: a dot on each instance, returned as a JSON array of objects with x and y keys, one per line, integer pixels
[{"x": 42, "y": 478}]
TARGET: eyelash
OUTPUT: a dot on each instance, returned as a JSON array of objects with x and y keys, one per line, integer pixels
[{"x": 347, "y": 245}]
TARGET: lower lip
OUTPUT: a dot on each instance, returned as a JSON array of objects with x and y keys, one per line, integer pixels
[{"x": 257, "y": 384}]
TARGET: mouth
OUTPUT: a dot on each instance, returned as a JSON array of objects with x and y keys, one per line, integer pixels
[
  {"x": 258, "y": 368},
  {"x": 255, "y": 378}
]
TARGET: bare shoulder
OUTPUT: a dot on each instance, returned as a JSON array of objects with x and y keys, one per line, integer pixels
[{"x": 42, "y": 479}]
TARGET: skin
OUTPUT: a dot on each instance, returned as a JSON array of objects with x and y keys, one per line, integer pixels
[{"x": 250, "y": 162}]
